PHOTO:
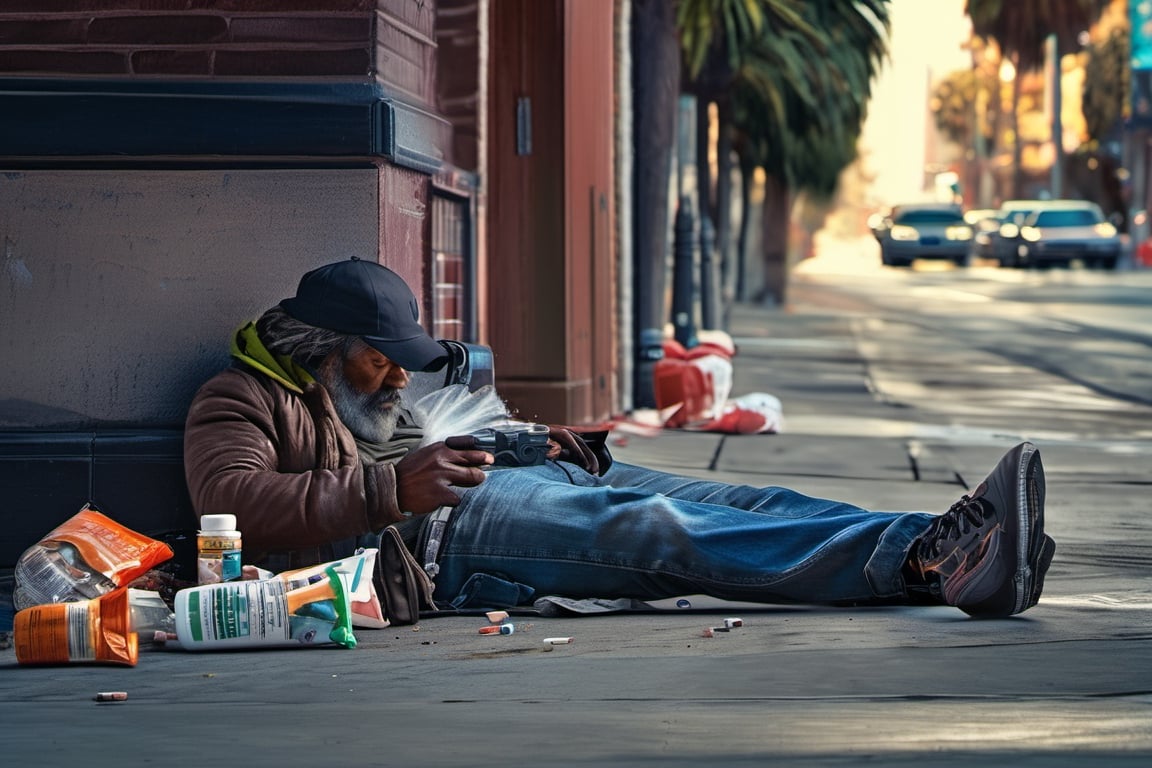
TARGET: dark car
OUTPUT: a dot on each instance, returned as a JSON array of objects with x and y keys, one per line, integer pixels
[
  {"x": 1063, "y": 231},
  {"x": 999, "y": 237},
  {"x": 923, "y": 231}
]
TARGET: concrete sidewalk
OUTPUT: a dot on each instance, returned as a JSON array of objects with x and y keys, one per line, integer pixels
[{"x": 1067, "y": 683}]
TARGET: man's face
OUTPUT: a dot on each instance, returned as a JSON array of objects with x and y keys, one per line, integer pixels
[{"x": 365, "y": 388}]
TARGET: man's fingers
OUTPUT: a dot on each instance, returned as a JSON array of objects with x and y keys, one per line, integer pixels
[
  {"x": 469, "y": 477},
  {"x": 473, "y": 458},
  {"x": 461, "y": 442},
  {"x": 574, "y": 450}
]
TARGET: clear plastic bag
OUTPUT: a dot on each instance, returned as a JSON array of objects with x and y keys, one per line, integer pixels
[{"x": 86, "y": 556}]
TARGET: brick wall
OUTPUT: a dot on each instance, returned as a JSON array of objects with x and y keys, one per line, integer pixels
[{"x": 391, "y": 39}]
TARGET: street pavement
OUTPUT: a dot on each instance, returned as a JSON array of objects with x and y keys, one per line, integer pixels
[{"x": 1069, "y": 683}]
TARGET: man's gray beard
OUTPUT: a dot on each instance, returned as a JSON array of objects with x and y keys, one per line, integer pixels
[{"x": 365, "y": 415}]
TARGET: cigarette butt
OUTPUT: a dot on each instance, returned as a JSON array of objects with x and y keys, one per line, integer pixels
[
  {"x": 111, "y": 696},
  {"x": 733, "y": 623},
  {"x": 497, "y": 616},
  {"x": 557, "y": 640}
]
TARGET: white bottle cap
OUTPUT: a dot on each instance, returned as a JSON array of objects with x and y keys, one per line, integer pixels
[{"x": 218, "y": 522}]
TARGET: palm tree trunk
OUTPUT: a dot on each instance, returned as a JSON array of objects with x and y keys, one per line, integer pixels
[
  {"x": 656, "y": 85},
  {"x": 777, "y": 207},
  {"x": 706, "y": 186},
  {"x": 724, "y": 209},
  {"x": 747, "y": 169}
]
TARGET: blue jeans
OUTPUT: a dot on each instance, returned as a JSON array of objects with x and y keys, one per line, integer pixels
[{"x": 644, "y": 534}]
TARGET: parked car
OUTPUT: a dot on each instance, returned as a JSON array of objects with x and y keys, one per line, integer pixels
[
  {"x": 1061, "y": 231},
  {"x": 998, "y": 237},
  {"x": 923, "y": 231}
]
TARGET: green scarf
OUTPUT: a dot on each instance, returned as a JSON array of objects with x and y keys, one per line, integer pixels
[{"x": 247, "y": 348}]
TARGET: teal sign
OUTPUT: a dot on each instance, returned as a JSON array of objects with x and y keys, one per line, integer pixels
[{"x": 1140, "y": 13}]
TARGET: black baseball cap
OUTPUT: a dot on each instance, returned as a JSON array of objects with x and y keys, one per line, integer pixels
[{"x": 362, "y": 298}]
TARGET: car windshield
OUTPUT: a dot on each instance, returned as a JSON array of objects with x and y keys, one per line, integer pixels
[
  {"x": 1073, "y": 218},
  {"x": 929, "y": 217}
]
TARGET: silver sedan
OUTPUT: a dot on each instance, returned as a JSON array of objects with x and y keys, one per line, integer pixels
[
  {"x": 923, "y": 231},
  {"x": 1063, "y": 231}
]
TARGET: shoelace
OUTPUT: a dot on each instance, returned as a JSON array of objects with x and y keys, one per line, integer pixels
[{"x": 961, "y": 517}]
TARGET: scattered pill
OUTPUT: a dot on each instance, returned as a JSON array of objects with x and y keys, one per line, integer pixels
[
  {"x": 497, "y": 616},
  {"x": 111, "y": 696},
  {"x": 733, "y": 623}
]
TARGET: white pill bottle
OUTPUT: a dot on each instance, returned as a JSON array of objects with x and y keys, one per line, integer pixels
[{"x": 218, "y": 547}]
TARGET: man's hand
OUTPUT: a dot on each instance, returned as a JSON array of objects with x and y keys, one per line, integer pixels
[
  {"x": 566, "y": 445},
  {"x": 424, "y": 478}
]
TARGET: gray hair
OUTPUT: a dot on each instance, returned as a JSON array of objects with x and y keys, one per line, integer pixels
[{"x": 305, "y": 344}]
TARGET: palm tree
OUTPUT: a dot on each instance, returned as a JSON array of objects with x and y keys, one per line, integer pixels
[
  {"x": 791, "y": 82},
  {"x": 715, "y": 36},
  {"x": 1107, "y": 89},
  {"x": 1022, "y": 29},
  {"x": 954, "y": 106},
  {"x": 1106, "y": 84},
  {"x": 801, "y": 107}
]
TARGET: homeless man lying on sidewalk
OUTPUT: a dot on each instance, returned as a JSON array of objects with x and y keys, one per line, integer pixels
[{"x": 304, "y": 440}]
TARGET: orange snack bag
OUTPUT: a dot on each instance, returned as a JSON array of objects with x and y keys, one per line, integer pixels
[
  {"x": 90, "y": 631},
  {"x": 84, "y": 557}
]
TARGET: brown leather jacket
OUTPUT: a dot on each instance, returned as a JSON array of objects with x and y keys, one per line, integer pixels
[{"x": 284, "y": 464}]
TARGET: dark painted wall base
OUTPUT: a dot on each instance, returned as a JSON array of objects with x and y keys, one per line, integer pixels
[{"x": 136, "y": 477}]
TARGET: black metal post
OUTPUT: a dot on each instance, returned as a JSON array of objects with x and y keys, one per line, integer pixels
[{"x": 683, "y": 263}]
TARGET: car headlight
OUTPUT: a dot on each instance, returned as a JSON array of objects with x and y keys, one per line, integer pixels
[
  {"x": 1031, "y": 234},
  {"x": 1009, "y": 230},
  {"x": 1104, "y": 229},
  {"x": 904, "y": 232},
  {"x": 958, "y": 233}
]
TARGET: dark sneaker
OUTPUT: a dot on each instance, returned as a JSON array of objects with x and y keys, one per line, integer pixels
[{"x": 988, "y": 554}]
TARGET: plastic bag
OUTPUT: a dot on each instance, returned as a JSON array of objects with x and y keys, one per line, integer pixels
[
  {"x": 84, "y": 557},
  {"x": 455, "y": 410}
]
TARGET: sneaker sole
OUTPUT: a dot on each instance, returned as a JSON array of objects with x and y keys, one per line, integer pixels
[{"x": 1047, "y": 552}]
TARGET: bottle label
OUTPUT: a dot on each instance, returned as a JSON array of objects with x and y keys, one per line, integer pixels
[
  {"x": 256, "y": 610},
  {"x": 219, "y": 559}
]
